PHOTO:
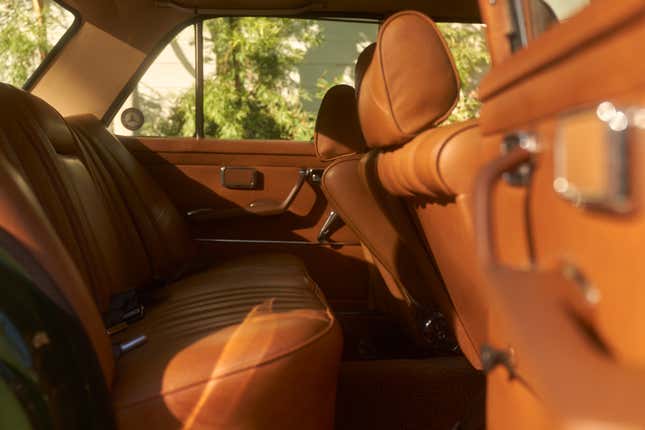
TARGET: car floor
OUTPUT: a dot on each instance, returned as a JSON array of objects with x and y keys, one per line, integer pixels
[{"x": 433, "y": 393}]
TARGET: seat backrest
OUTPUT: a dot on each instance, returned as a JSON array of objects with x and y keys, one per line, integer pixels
[
  {"x": 413, "y": 293},
  {"x": 118, "y": 225},
  {"x": 71, "y": 188},
  {"x": 23, "y": 219},
  {"x": 409, "y": 88},
  {"x": 161, "y": 228}
]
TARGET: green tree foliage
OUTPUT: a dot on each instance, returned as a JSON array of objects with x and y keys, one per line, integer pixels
[
  {"x": 467, "y": 43},
  {"x": 28, "y": 29},
  {"x": 253, "y": 92}
]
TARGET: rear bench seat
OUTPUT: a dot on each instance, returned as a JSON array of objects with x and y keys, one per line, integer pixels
[{"x": 249, "y": 343}]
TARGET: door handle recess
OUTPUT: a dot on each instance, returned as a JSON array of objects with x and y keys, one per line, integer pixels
[
  {"x": 484, "y": 185},
  {"x": 264, "y": 207}
]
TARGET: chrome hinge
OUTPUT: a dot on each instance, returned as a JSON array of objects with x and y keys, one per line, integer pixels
[{"x": 521, "y": 176}]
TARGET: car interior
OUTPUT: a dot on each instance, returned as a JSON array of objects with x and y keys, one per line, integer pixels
[{"x": 181, "y": 250}]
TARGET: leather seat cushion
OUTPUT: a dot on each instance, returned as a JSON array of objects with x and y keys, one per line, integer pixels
[{"x": 242, "y": 345}]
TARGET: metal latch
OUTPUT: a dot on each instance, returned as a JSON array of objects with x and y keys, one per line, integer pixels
[{"x": 521, "y": 176}]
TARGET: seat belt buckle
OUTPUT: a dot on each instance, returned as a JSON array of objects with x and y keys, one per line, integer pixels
[
  {"x": 128, "y": 317},
  {"x": 117, "y": 328},
  {"x": 132, "y": 315},
  {"x": 127, "y": 346}
]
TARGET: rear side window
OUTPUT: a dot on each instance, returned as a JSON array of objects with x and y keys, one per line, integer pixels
[
  {"x": 467, "y": 42},
  {"x": 165, "y": 95},
  {"x": 29, "y": 30},
  {"x": 264, "y": 78},
  {"x": 531, "y": 18},
  {"x": 545, "y": 13}
]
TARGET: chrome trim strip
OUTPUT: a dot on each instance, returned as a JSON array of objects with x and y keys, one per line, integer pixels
[
  {"x": 277, "y": 242},
  {"x": 325, "y": 230},
  {"x": 517, "y": 13}
]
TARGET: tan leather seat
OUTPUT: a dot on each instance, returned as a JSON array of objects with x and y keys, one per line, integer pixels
[
  {"x": 409, "y": 88},
  {"x": 414, "y": 293},
  {"x": 245, "y": 344}
]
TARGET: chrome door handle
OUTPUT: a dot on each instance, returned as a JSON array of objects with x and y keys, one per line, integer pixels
[{"x": 326, "y": 229}]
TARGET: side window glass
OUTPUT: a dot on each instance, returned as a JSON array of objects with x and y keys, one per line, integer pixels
[
  {"x": 163, "y": 101},
  {"x": 467, "y": 42},
  {"x": 541, "y": 15},
  {"x": 264, "y": 78},
  {"x": 545, "y": 13},
  {"x": 29, "y": 30}
]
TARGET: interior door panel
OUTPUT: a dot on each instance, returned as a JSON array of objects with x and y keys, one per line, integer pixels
[
  {"x": 230, "y": 221},
  {"x": 569, "y": 324}
]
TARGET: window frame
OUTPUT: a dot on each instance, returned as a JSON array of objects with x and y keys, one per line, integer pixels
[
  {"x": 523, "y": 31},
  {"x": 198, "y": 22},
  {"x": 35, "y": 76}
]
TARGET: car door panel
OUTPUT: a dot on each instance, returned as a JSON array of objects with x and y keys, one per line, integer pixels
[
  {"x": 570, "y": 319},
  {"x": 189, "y": 170}
]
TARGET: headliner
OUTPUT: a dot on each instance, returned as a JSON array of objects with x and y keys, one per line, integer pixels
[{"x": 439, "y": 10}]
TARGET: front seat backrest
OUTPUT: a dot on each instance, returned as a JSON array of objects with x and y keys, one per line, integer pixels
[
  {"x": 414, "y": 291},
  {"x": 409, "y": 88}
]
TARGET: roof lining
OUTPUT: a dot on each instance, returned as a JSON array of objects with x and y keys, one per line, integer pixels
[{"x": 306, "y": 8}]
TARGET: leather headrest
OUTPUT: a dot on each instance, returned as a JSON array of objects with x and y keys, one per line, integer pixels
[
  {"x": 411, "y": 84},
  {"x": 338, "y": 131},
  {"x": 364, "y": 60},
  {"x": 28, "y": 113}
]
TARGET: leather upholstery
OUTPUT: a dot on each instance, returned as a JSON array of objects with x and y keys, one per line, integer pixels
[
  {"x": 243, "y": 329},
  {"x": 40, "y": 145},
  {"x": 411, "y": 84},
  {"x": 409, "y": 88},
  {"x": 434, "y": 173},
  {"x": 23, "y": 218},
  {"x": 162, "y": 230},
  {"x": 362, "y": 63},
  {"x": 385, "y": 227},
  {"x": 413, "y": 291},
  {"x": 338, "y": 132},
  {"x": 432, "y": 165},
  {"x": 247, "y": 343}
]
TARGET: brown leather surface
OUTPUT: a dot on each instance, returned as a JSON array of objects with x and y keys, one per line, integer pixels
[
  {"x": 163, "y": 231},
  {"x": 221, "y": 341},
  {"x": 362, "y": 63},
  {"x": 243, "y": 329},
  {"x": 435, "y": 172},
  {"x": 573, "y": 325},
  {"x": 384, "y": 226},
  {"x": 411, "y": 84},
  {"x": 22, "y": 217},
  {"x": 62, "y": 175},
  {"x": 410, "y": 290},
  {"x": 349, "y": 293},
  {"x": 432, "y": 165},
  {"x": 338, "y": 131},
  {"x": 188, "y": 171}
]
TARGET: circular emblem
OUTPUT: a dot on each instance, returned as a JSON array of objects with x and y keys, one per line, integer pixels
[{"x": 132, "y": 119}]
